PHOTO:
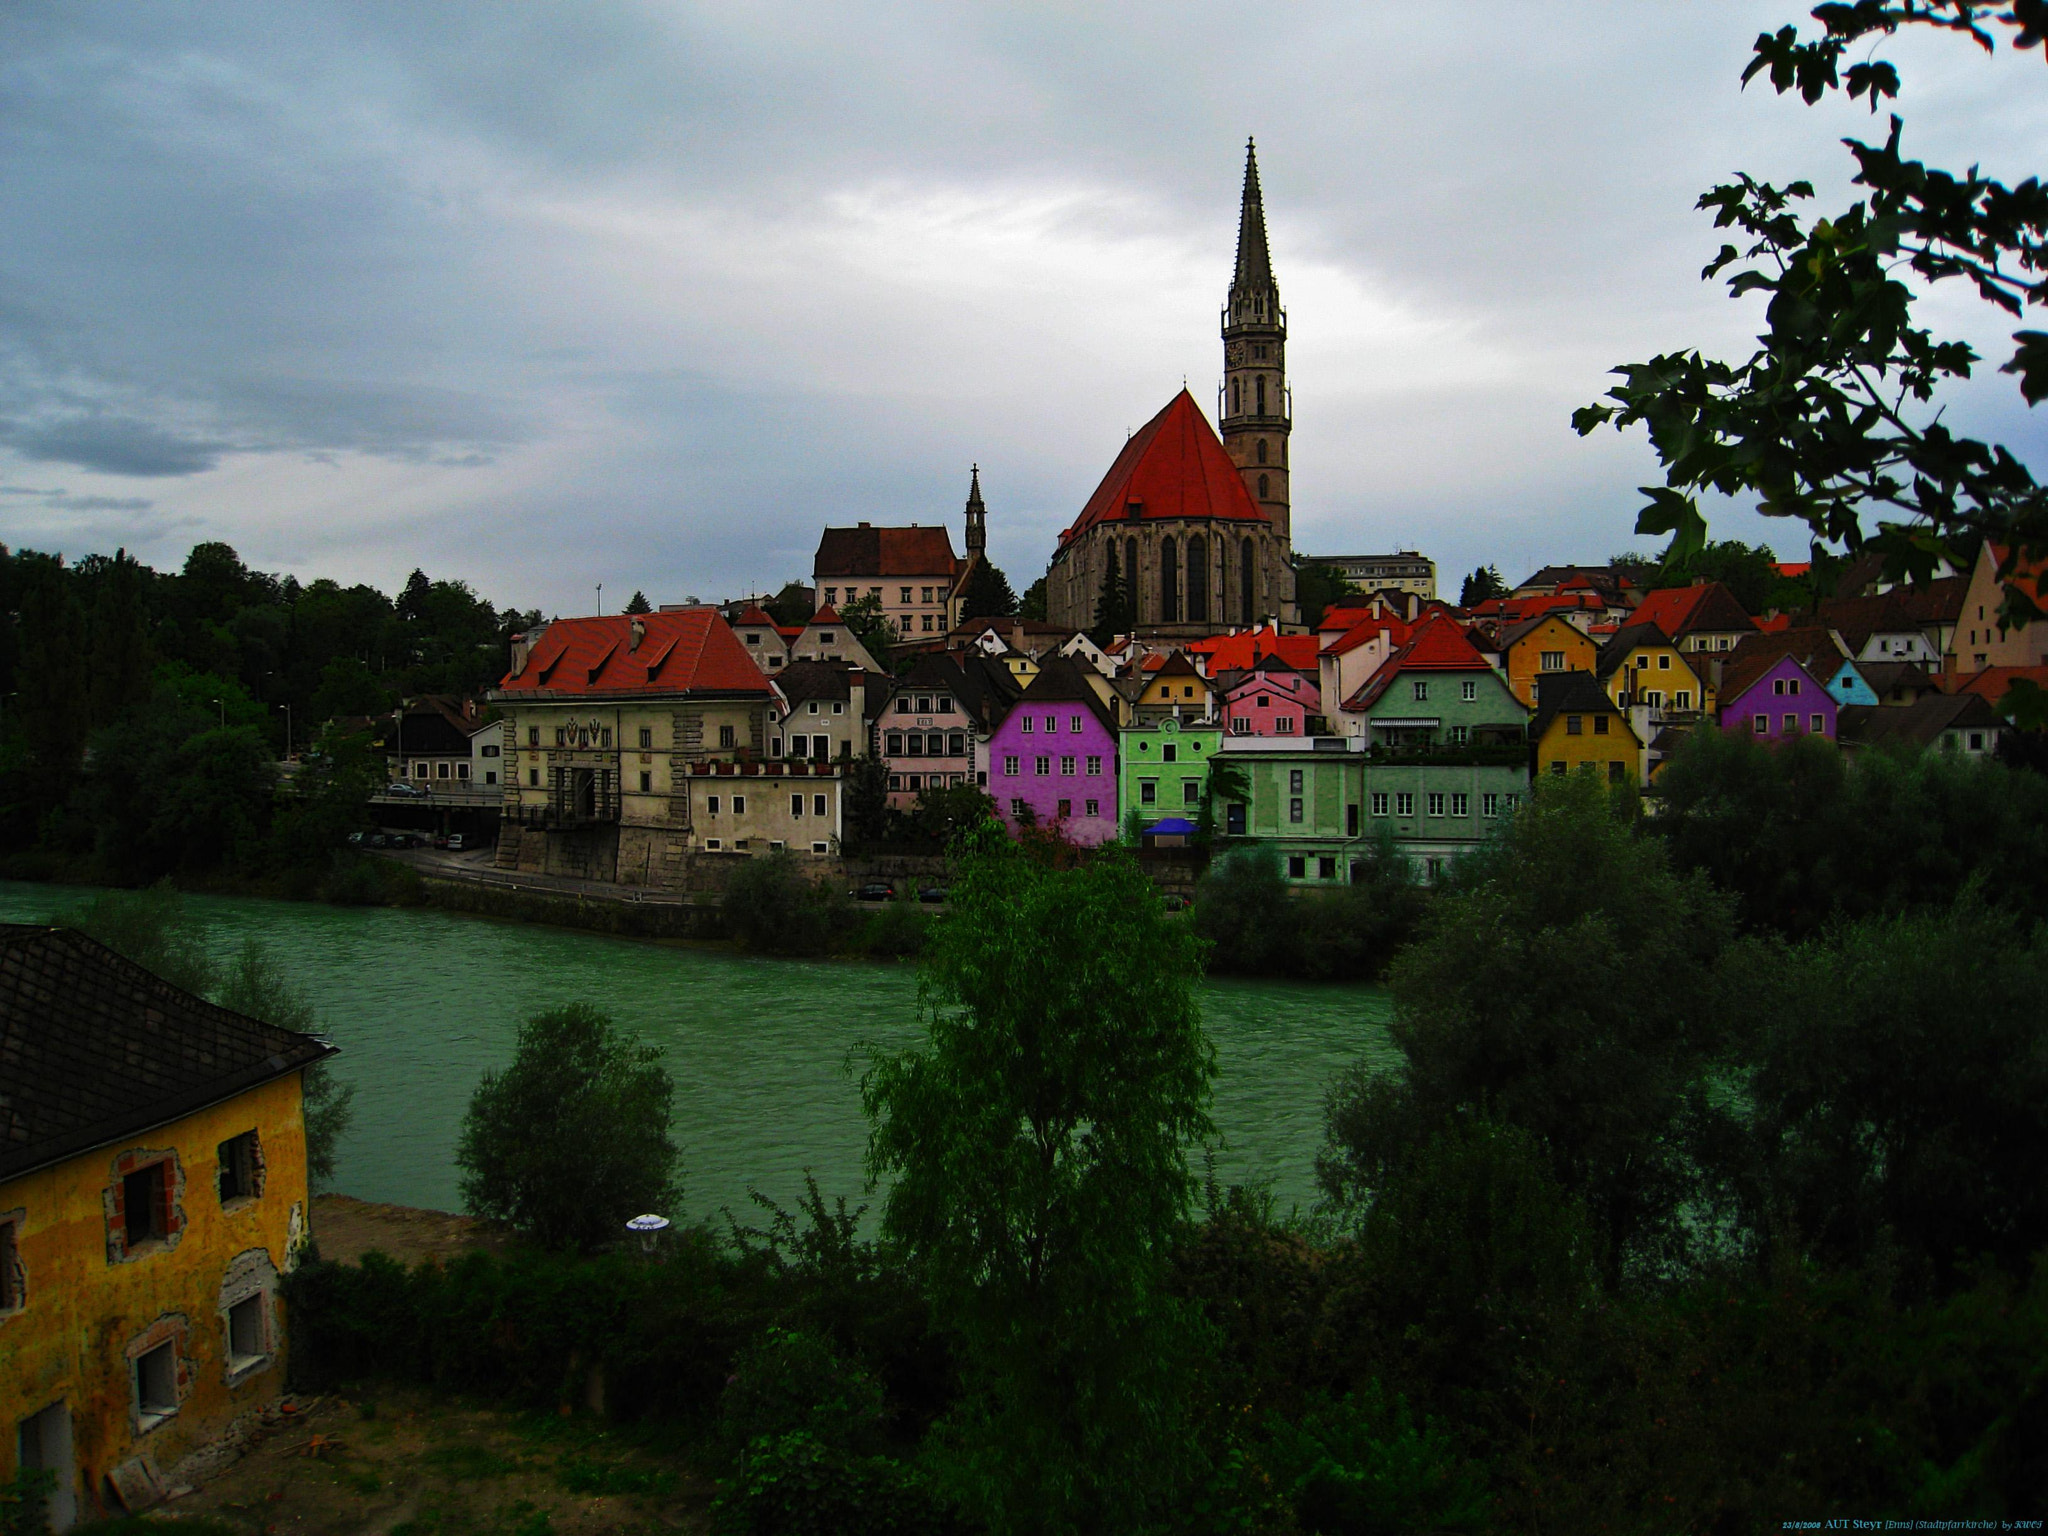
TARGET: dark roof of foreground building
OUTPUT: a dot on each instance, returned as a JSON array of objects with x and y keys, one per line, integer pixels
[{"x": 95, "y": 1049}]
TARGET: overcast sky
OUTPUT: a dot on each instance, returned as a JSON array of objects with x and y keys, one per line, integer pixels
[{"x": 646, "y": 294}]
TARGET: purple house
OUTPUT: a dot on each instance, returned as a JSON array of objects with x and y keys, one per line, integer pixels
[
  {"x": 1772, "y": 697},
  {"x": 1052, "y": 760}
]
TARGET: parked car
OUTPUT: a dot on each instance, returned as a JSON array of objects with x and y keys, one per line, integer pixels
[
  {"x": 400, "y": 787},
  {"x": 876, "y": 890},
  {"x": 932, "y": 894},
  {"x": 355, "y": 839},
  {"x": 440, "y": 839},
  {"x": 378, "y": 840},
  {"x": 455, "y": 842}
]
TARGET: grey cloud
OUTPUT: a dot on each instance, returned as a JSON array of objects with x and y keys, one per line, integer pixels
[{"x": 113, "y": 445}]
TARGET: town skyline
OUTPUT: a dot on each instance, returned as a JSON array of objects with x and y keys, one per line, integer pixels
[{"x": 638, "y": 342}]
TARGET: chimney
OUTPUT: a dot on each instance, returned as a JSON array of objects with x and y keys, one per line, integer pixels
[
  {"x": 857, "y": 705},
  {"x": 639, "y": 632}
]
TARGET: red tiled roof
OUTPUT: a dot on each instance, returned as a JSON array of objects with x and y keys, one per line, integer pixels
[
  {"x": 1241, "y": 652},
  {"x": 825, "y": 615},
  {"x": 871, "y": 551},
  {"x": 1365, "y": 632},
  {"x": 688, "y": 650},
  {"x": 1679, "y": 611},
  {"x": 1793, "y": 569},
  {"x": 2030, "y": 576},
  {"x": 1992, "y": 682},
  {"x": 753, "y": 616},
  {"x": 1437, "y": 645},
  {"x": 1173, "y": 466}
]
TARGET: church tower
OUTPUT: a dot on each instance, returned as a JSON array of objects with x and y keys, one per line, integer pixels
[
  {"x": 977, "y": 518},
  {"x": 1255, "y": 410}
]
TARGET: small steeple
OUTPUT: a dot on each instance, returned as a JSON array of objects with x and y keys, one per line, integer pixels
[
  {"x": 977, "y": 514},
  {"x": 1254, "y": 263}
]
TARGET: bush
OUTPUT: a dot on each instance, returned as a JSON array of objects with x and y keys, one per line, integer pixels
[
  {"x": 572, "y": 1138},
  {"x": 1258, "y": 925},
  {"x": 895, "y": 932},
  {"x": 795, "y": 1485},
  {"x": 1363, "y": 1466},
  {"x": 790, "y": 1381},
  {"x": 773, "y": 907}
]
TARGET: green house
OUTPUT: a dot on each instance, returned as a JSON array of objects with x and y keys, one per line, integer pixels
[
  {"x": 1163, "y": 768},
  {"x": 1436, "y": 692}
]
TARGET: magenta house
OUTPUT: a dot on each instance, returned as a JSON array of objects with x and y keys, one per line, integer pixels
[
  {"x": 1271, "y": 700},
  {"x": 1772, "y": 697},
  {"x": 1052, "y": 760}
]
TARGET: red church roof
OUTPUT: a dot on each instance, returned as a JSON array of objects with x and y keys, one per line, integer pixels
[
  {"x": 687, "y": 650},
  {"x": 1173, "y": 466}
]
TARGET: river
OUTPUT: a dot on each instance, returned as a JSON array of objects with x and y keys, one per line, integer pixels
[{"x": 763, "y": 1051}]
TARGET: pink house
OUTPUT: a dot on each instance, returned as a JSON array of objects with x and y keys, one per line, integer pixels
[
  {"x": 1772, "y": 697},
  {"x": 1271, "y": 700}
]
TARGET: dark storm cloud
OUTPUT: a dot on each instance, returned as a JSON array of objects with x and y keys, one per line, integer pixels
[{"x": 646, "y": 293}]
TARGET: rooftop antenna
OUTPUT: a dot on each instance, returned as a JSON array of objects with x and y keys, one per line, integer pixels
[{"x": 600, "y": 597}]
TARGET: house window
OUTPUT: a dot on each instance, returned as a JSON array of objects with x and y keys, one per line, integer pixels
[
  {"x": 713, "y": 844},
  {"x": 831, "y": 596},
  {"x": 490, "y": 775},
  {"x": 895, "y": 781},
  {"x": 156, "y": 1383},
  {"x": 241, "y": 1168},
  {"x": 1191, "y": 793},
  {"x": 1461, "y": 805},
  {"x": 1976, "y": 745},
  {"x": 1073, "y": 724},
  {"x": 1294, "y": 810},
  {"x": 1027, "y": 725},
  {"x": 1653, "y": 697},
  {"x": 906, "y": 594},
  {"x": 1240, "y": 726},
  {"x": 248, "y": 1340},
  {"x": 462, "y": 770},
  {"x": 711, "y": 805},
  {"x": 817, "y": 805},
  {"x": 796, "y": 805},
  {"x": 1421, "y": 691},
  {"x": 1294, "y": 781},
  {"x": 726, "y": 738},
  {"x": 1436, "y": 803},
  {"x": 1468, "y": 690},
  {"x": 1066, "y": 767},
  {"x": 1148, "y": 791},
  {"x": 1682, "y": 699},
  {"x": 1168, "y": 753},
  {"x": 1094, "y": 767},
  {"x": 1820, "y": 727},
  {"x": 1041, "y": 766},
  {"x": 1616, "y": 773},
  {"x": 1066, "y": 809},
  {"x": 13, "y": 1283},
  {"x": 1574, "y": 725},
  {"x": 1489, "y": 805},
  {"x": 533, "y": 735},
  {"x": 1284, "y": 726},
  {"x": 927, "y": 626},
  {"x": 927, "y": 594},
  {"x": 146, "y": 1202},
  {"x": 821, "y": 847},
  {"x": 646, "y": 782},
  {"x": 893, "y": 743},
  {"x": 1404, "y": 803},
  {"x": 1509, "y": 802},
  {"x": 1791, "y": 685},
  {"x": 1017, "y": 809},
  {"x": 1761, "y": 724},
  {"x": 1379, "y": 802},
  {"x": 942, "y": 705},
  {"x": 1010, "y": 766},
  {"x": 646, "y": 737},
  {"x": 1553, "y": 661},
  {"x": 1460, "y": 734},
  {"x": 1599, "y": 725},
  {"x": 490, "y": 751},
  {"x": 739, "y": 808},
  {"x": 1664, "y": 663},
  {"x": 1094, "y": 807},
  {"x": 1791, "y": 724},
  {"x": 1557, "y": 768},
  {"x": 419, "y": 770},
  {"x": 533, "y": 778}
]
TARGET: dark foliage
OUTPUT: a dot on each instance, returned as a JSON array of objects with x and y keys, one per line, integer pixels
[
  {"x": 1482, "y": 585},
  {"x": 988, "y": 594},
  {"x": 1317, "y": 585},
  {"x": 1258, "y": 926},
  {"x": 774, "y": 907}
]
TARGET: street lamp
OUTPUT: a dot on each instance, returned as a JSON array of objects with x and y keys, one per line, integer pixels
[{"x": 223, "y": 714}]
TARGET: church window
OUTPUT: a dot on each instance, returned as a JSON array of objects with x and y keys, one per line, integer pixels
[
  {"x": 1262, "y": 487},
  {"x": 1248, "y": 598},
  {"x": 1169, "y": 582},
  {"x": 1233, "y": 397},
  {"x": 1262, "y": 450},
  {"x": 1262, "y": 394},
  {"x": 1198, "y": 580}
]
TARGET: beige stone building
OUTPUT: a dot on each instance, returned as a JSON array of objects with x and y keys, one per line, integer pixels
[{"x": 621, "y": 734}]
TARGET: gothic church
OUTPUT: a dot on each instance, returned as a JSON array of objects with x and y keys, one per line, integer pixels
[{"x": 1196, "y": 526}]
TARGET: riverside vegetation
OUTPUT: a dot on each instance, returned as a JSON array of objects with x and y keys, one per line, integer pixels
[{"x": 1674, "y": 1221}]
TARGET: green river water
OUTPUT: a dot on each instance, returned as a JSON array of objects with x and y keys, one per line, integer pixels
[{"x": 762, "y": 1051}]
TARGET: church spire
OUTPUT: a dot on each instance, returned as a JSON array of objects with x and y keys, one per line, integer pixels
[
  {"x": 1254, "y": 263},
  {"x": 977, "y": 515}
]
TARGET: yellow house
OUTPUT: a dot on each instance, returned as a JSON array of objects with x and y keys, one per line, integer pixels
[
  {"x": 1577, "y": 726},
  {"x": 152, "y": 1192},
  {"x": 1174, "y": 690},
  {"x": 1641, "y": 665},
  {"x": 1543, "y": 647}
]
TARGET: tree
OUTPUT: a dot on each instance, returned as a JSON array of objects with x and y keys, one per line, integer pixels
[
  {"x": 988, "y": 594},
  {"x": 152, "y": 927},
  {"x": 867, "y": 800},
  {"x": 255, "y": 984},
  {"x": 870, "y": 626},
  {"x": 638, "y": 603},
  {"x": 1035, "y": 1146},
  {"x": 1318, "y": 586},
  {"x": 791, "y": 605},
  {"x": 1835, "y": 416},
  {"x": 1524, "y": 1003},
  {"x": 1115, "y": 613},
  {"x": 774, "y": 907},
  {"x": 1032, "y": 605},
  {"x": 572, "y": 1138},
  {"x": 1481, "y": 586}
]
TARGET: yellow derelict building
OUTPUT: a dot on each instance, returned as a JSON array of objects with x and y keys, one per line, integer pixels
[{"x": 152, "y": 1194}]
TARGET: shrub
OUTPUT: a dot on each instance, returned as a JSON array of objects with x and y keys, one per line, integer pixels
[
  {"x": 774, "y": 908},
  {"x": 790, "y": 1381},
  {"x": 795, "y": 1485},
  {"x": 1363, "y": 1465}
]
